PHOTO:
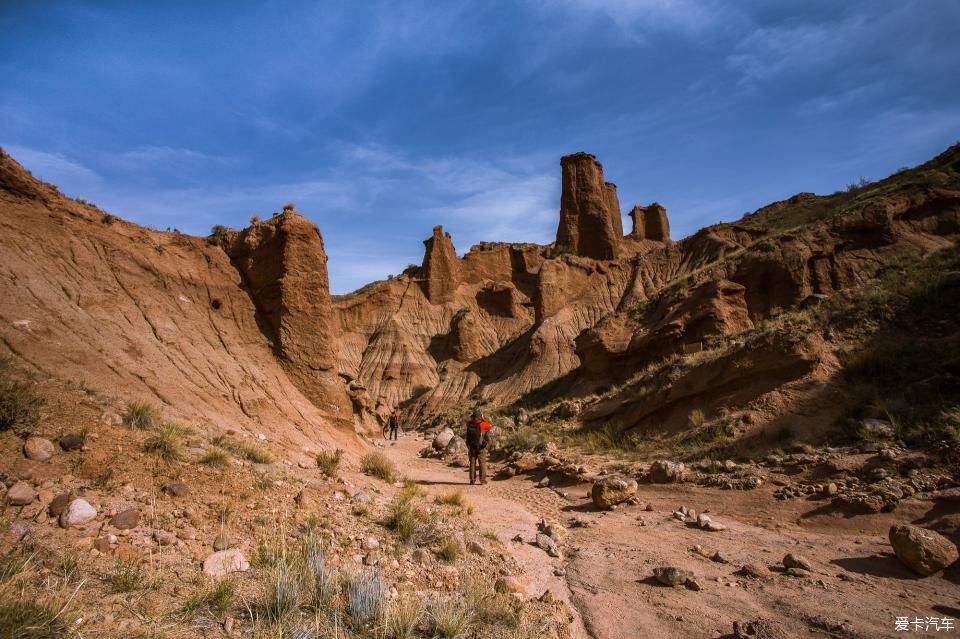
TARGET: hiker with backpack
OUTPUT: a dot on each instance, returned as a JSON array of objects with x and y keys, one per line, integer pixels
[
  {"x": 477, "y": 436},
  {"x": 394, "y": 424}
]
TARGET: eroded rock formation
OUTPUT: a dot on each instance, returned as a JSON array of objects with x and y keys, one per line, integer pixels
[
  {"x": 590, "y": 223},
  {"x": 650, "y": 223},
  {"x": 441, "y": 268}
]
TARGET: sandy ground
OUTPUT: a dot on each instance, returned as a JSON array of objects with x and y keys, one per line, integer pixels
[{"x": 858, "y": 588}]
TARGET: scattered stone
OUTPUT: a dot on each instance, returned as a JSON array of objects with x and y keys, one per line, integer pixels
[
  {"x": 125, "y": 519},
  {"x": 924, "y": 551},
  {"x": 361, "y": 497},
  {"x": 102, "y": 544},
  {"x": 712, "y": 526},
  {"x": 693, "y": 584},
  {"x": 21, "y": 529},
  {"x": 878, "y": 428},
  {"x": 477, "y": 548},
  {"x": 759, "y": 629},
  {"x": 371, "y": 543},
  {"x": 224, "y": 562},
  {"x": 21, "y": 494},
  {"x": 797, "y": 572},
  {"x": 164, "y": 538},
  {"x": 546, "y": 597},
  {"x": 78, "y": 513},
  {"x": 420, "y": 556},
  {"x": 719, "y": 557},
  {"x": 559, "y": 571},
  {"x": 509, "y": 584},
  {"x": 72, "y": 442},
  {"x": 371, "y": 559},
  {"x": 443, "y": 438},
  {"x": 797, "y": 561},
  {"x": 544, "y": 483},
  {"x": 176, "y": 489},
  {"x": 38, "y": 449},
  {"x": 671, "y": 576},
  {"x": 610, "y": 491},
  {"x": 665, "y": 472},
  {"x": 59, "y": 504},
  {"x": 830, "y": 490},
  {"x": 756, "y": 570},
  {"x": 222, "y": 542}
]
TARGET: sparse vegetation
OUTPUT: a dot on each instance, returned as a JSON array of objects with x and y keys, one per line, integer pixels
[
  {"x": 127, "y": 575},
  {"x": 378, "y": 465},
  {"x": 365, "y": 596},
  {"x": 456, "y": 498},
  {"x": 402, "y": 617},
  {"x": 141, "y": 414},
  {"x": 487, "y": 606},
  {"x": 19, "y": 405},
  {"x": 448, "y": 617},
  {"x": 213, "y": 596},
  {"x": 165, "y": 442},
  {"x": 108, "y": 219},
  {"x": 697, "y": 418},
  {"x": 216, "y": 458},
  {"x": 328, "y": 463},
  {"x": 450, "y": 550},
  {"x": 254, "y": 453},
  {"x": 402, "y": 516}
]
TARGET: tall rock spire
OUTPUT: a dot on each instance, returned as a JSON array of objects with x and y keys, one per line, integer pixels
[
  {"x": 590, "y": 222},
  {"x": 650, "y": 223},
  {"x": 441, "y": 267}
]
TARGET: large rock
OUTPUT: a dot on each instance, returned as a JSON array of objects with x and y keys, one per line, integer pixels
[
  {"x": 224, "y": 562},
  {"x": 38, "y": 448},
  {"x": 590, "y": 223},
  {"x": 78, "y": 513},
  {"x": 508, "y": 584},
  {"x": 441, "y": 439},
  {"x": 21, "y": 494},
  {"x": 441, "y": 268},
  {"x": 611, "y": 491},
  {"x": 650, "y": 223},
  {"x": 126, "y": 519},
  {"x": 456, "y": 446},
  {"x": 666, "y": 472},
  {"x": 924, "y": 551},
  {"x": 671, "y": 576}
]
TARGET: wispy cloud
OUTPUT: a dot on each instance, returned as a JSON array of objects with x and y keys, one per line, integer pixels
[{"x": 70, "y": 175}]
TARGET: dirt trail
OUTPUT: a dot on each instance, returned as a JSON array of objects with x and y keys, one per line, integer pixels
[{"x": 857, "y": 588}]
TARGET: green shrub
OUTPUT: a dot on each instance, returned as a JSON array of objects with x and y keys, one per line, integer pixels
[
  {"x": 329, "y": 462},
  {"x": 254, "y": 453},
  {"x": 141, "y": 414},
  {"x": 19, "y": 406},
  {"x": 216, "y": 458},
  {"x": 450, "y": 549},
  {"x": 378, "y": 465},
  {"x": 165, "y": 442},
  {"x": 402, "y": 516},
  {"x": 127, "y": 575},
  {"x": 401, "y": 618},
  {"x": 216, "y": 597},
  {"x": 449, "y": 618}
]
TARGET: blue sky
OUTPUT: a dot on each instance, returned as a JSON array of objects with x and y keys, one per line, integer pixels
[{"x": 382, "y": 119}]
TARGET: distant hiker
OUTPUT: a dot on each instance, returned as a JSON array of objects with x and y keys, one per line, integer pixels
[
  {"x": 477, "y": 429},
  {"x": 394, "y": 425}
]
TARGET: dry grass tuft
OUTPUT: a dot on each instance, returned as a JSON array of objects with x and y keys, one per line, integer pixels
[{"x": 379, "y": 465}]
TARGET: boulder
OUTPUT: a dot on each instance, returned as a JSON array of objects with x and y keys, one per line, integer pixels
[
  {"x": 59, "y": 504},
  {"x": 38, "y": 448},
  {"x": 224, "y": 562},
  {"x": 796, "y": 561},
  {"x": 666, "y": 472},
  {"x": 455, "y": 446},
  {"x": 477, "y": 548},
  {"x": 441, "y": 439},
  {"x": 671, "y": 576},
  {"x": 508, "y": 584},
  {"x": 126, "y": 519},
  {"x": 176, "y": 489},
  {"x": 610, "y": 491},
  {"x": 923, "y": 551},
  {"x": 522, "y": 417},
  {"x": 72, "y": 442},
  {"x": 78, "y": 513},
  {"x": 21, "y": 494}
]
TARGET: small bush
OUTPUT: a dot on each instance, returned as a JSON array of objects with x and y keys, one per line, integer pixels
[
  {"x": 289, "y": 206},
  {"x": 456, "y": 498},
  {"x": 488, "y": 606},
  {"x": 141, "y": 414},
  {"x": 19, "y": 406},
  {"x": 254, "y": 453},
  {"x": 215, "y": 597},
  {"x": 402, "y": 617},
  {"x": 697, "y": 418},
  {"x": 127, "y": 575},
  {"x": 366, "y": 594},
  {"x": 329, "y": 462},
  {"x": 378, "y": 465},
  {"x": 216, "y": 458},
  {"x": 283, "y": 591},
  {"x": 26, "y": 617},
  {"x": 449, "y": 618},
  {"x": 108, "y": 219},
  {"x": 165, "y": 442},
  {"x": 412, "y": 490},
  {"x": 402, "y": 517},
  {"x": 450, "y": 549},
  {"x": 319, "y": 578},
  {"x": 254, "y": 219}
]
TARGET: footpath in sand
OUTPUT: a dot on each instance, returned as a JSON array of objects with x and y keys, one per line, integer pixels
[{"x": 857, "y": 587}]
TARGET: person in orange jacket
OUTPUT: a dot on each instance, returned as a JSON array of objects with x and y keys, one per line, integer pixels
[{"x": 477, "y": 438}]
